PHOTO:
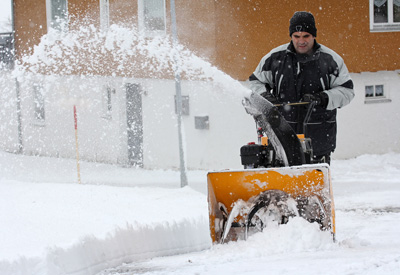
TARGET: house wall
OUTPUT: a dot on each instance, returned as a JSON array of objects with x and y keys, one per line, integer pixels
[
  {"x": 247, "y": 30},
  {"x": 30, "y": 20},
  {"x": 197, "y": 27},
  {"x": 104, "y": 139},
  {"x": 99, "y": 137},
  {"x": 234, "y": 35},
  {"x": 218, "y": 147},
  {"x": 196, "y": 20},
  {"x": 8, "y": 114},
  {"x": 29, "y": 25},
  {"x": 370, "y": 128}
]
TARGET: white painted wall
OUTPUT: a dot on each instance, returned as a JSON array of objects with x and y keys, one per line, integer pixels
[
  {"x": 370, "y": 128},
  {"x": 8, "y": 114},
  {"x": 362, "y": 128},
  {"x": 230, "y": 126},
  {"x": 99, "y": 138},
  {"x": 105, "y": 140}
]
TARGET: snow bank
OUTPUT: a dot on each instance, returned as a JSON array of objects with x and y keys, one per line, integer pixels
[
  {"x": 368, "y": 168},
  {"x": 67, "y": 228},
  {"x": 134, "y": 243}
]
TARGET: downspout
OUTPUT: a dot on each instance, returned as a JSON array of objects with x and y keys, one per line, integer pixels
[{"x": 20, "y": 145}]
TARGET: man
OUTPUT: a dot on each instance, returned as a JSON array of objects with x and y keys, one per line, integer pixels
[{"x": 305, "y": 71}]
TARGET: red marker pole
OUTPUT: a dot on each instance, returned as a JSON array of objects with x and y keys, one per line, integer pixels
[{"x": 76, "y": 145}]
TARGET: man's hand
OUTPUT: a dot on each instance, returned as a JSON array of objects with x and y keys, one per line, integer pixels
[
  {"x": 320, "y": 99},
  {"x": 268, "y": 96}
]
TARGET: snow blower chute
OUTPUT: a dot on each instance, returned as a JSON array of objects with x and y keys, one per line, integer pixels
[{"x": 279, "y": 180}]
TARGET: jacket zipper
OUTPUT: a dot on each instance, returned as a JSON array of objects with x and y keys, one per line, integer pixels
[
  {"x": 322, "y": 83},
  {"x": 279, "y": 84}
]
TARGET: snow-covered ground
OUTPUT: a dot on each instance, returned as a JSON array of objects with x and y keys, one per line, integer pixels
[{"x": 133, "y": 221}]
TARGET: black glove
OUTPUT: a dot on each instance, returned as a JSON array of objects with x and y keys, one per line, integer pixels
[
  {"x": 268, "y": 96},
  {"x": 320, "y": 99}
]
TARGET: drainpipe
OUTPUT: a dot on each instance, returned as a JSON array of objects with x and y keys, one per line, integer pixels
[
  {"x": 17, "y": 88},
  {"x": 184, "y": 181}
]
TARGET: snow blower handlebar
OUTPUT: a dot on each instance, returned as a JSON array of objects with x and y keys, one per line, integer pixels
[
  {"x": 284, "y": 147},
  {"x": 292, "y": 104},
  {"x": 311, "y": 106}
]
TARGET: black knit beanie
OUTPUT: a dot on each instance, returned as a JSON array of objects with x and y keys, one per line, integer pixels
[{"x": 302, "y": 21}]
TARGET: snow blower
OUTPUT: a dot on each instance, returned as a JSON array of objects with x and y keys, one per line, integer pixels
[{"x": 279, "y": 180}]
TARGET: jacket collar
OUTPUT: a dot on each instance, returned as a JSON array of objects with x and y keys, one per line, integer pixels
[{"x": 303, "y": 57}]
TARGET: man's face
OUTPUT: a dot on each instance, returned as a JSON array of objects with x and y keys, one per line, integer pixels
[{"x": 303, "y": 42}]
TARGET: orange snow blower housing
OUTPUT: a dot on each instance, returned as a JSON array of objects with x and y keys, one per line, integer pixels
[{"x": 279, "y": 181}]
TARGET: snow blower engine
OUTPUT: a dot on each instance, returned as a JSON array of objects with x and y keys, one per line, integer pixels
[{"x": 255, "y": 155}]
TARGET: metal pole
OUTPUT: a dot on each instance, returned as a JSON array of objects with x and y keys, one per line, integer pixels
[
  {"x": 78, "y": 167},
  {"x": 184, "y": 180},
  {"x": 19, "y": 119}
]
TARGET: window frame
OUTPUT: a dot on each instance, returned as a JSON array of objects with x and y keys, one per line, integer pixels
[
  {"x": 390, "y": 26},
  {"x": 62, "y": 25},
  {"x": 141, "y": 20},
  {"x": 104, "y": 15}
]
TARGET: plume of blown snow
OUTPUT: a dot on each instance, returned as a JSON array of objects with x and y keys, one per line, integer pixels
[{"x": 125, "y": 52}]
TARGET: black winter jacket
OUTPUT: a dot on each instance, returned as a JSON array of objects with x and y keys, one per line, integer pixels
[{"x": 285, "y": 76}]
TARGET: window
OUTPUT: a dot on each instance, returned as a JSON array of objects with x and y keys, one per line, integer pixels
[
  {"x": 38, "y": 102},
  {"x": 384, "y": 15},
  {"x": 374, "y": 91},
  {"x": 375, "y": 94},
  {"x": 6, "y": 51},
  {"x": 152, "y": 16},
  {"x": 104, "y": 15},
  {"x": 57, "y": 14}
]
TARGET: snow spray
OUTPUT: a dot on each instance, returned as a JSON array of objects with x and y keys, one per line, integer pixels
[{"x": 86, "y": 51}]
